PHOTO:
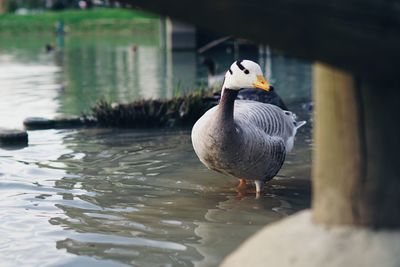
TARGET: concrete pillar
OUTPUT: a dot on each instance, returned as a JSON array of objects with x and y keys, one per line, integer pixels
[
  {"x": 179, "y": 35},
  {"x": 356, "y": 175},
  {"x": 163, "y": 33},
  {"x": 179, "y": 41},
  {"x": 337, "y": 162}
]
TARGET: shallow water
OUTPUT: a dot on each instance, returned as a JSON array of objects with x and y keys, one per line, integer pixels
[
  {"x": 109, "y": 197},
  {"x": 133, "y": 197}
]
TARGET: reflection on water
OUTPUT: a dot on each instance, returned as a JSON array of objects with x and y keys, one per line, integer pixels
[
  {"x": 117, "y": 68},
  {"x": 26, "y": 88},
  {"x": 89, "y": 68},
  {"x": 131, "y": 197},
  {"x": 107, "y": 197}
]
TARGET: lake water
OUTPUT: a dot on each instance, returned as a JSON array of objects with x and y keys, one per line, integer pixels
[{"x": 113, "y": 197}]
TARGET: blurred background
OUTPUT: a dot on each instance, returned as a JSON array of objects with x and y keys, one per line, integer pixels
[{"x": 66, "y": 55}]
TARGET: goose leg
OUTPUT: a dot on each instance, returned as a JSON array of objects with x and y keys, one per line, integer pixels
[
  {"x": 259, "y": 187},
  {"x": 242, "y": 184}
]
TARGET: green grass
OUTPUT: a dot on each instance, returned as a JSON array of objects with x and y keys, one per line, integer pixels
[{"x": 79, "y": 21}]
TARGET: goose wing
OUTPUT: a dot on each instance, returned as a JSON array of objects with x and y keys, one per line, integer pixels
[
  {"x": 269, "y": 118},
  {"x": 267, "y": 134},
  {"x": 264, "y": 155}
]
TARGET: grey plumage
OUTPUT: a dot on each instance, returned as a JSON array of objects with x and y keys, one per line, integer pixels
[{"x": 244, "y": 139}]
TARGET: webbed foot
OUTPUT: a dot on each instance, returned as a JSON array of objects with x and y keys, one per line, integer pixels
[{"x": 242, "y": 184}]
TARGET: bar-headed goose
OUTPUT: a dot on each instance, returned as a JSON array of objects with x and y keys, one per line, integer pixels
[{"x": 243, "y": 138}]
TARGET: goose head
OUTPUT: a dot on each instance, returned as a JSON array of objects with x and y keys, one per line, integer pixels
[{"x": 245, "y": 74}]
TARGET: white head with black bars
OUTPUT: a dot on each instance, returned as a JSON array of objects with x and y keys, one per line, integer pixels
[{"x": 245, "y": 74}]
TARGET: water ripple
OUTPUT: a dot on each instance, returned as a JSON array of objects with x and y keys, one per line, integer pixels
[{"x": 133, "y": 204}]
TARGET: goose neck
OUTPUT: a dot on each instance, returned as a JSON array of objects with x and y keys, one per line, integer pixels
[{"x": 227, "y": 103}]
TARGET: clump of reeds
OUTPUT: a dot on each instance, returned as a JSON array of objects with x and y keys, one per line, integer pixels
[{"x": 179, "y": 111}]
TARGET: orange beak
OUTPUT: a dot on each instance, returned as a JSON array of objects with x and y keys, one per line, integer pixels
[{"x": 261, "y": 83}]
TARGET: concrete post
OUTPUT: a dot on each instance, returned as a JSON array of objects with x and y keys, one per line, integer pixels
[
  {"x": 179, "y": 35},
  {"x": 356, "y": 176}
]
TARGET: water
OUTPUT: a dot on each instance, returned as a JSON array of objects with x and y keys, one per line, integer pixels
[{"x": 110, "y": 197}]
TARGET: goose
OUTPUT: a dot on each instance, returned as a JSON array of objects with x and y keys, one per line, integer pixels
[
  {"x": 270, "y": 97},
  {"x": 244, "y": 139}
]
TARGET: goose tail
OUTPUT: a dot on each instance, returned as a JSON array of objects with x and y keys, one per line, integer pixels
[{"x": 299, "y": 124}]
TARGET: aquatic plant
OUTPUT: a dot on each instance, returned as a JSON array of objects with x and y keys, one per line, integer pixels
[{"x": 179, "y": 111}]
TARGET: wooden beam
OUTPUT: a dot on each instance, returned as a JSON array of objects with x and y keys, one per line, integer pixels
[{"x": 360, "y": 36}]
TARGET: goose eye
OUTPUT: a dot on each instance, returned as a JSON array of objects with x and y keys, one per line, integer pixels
[{"x": 246, "y": 71}]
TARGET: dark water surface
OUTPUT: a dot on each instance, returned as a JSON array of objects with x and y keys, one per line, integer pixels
[{"x": 109, "y": 197}]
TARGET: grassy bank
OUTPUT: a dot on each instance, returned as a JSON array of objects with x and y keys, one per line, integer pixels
[{"x": 79, "y": 21}]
